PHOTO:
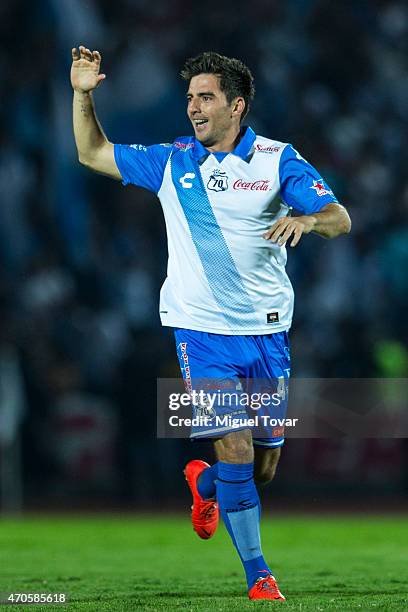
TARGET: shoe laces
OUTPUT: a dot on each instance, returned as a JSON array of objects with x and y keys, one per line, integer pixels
[
  {"x": 267, "y": 583},
  {"x": 208, "y": 510}
]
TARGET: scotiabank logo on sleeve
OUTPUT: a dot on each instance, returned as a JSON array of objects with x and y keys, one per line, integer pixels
[{"x": 261, "y": 185}]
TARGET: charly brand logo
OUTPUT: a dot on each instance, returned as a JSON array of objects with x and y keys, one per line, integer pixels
[
  {"x": 187, "y": 184},
  {"x": 261, "y": 185},
  {"x": 218, "y": 181}
]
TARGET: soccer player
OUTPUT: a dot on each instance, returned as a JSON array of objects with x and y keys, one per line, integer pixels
[{"x": 226, "y": 194}]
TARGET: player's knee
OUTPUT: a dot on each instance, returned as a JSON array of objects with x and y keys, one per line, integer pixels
[
  {"x": 240, "y": 451},
  {"x": 265, "y": 475},
  {"x": 266, "y": 462},
  {"x": 235, "y": 448}
]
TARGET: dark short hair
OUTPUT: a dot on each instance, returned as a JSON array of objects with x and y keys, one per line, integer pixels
[{"x": 235, "y": 78}]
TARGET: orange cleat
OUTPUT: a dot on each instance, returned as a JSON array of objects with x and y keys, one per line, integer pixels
[
  {"x": 265, "y": 588},
  {"x": 205, "y": 513}
]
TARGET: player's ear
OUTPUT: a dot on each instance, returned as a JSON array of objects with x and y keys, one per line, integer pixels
[{"x": 238, "y": 106}]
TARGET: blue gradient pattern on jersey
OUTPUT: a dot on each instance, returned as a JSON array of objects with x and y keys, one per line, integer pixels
[{"x": 219, "y": 267}]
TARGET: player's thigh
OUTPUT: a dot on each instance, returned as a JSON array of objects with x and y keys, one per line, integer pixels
[
  {"x": 209, "y": 367},
  {"x": 265, "y": 463},
  {"x": 268, "y": 379}
]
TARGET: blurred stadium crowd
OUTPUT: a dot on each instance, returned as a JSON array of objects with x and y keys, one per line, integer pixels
[{"x": 82, "y": 259}]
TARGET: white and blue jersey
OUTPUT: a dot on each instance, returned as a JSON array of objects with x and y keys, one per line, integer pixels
[{"x": 222, "y": 276}]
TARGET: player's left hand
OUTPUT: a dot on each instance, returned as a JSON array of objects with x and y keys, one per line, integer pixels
[{"x": 287, "y": 227}]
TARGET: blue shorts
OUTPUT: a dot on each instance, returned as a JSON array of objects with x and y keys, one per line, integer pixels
[{"x": 244, "y": 364}]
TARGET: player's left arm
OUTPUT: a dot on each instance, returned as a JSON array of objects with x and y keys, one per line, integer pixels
[
  {"x": 303, "y": 189},
  {"x": 332, "y": 220}
]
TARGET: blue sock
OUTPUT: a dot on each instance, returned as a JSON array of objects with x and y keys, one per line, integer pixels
[
  {"x": 240, "y": 509},
  {"x": 206, "y": 482}
]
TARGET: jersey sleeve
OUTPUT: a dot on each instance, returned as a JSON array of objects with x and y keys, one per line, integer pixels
[
  {"x": 301, "y": 186},
  {"x": 142, "y": 166}
]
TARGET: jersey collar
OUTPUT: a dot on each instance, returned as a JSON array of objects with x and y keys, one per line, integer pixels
[{"x": 242, "y": 149}]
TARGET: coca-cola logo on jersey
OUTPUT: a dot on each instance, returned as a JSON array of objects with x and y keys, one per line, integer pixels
[{"x": 262, "y": 185}]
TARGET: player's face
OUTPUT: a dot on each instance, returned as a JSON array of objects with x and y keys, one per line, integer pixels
[{"x": 209, "y": 111}]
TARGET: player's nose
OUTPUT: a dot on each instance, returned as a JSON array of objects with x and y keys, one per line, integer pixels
[{"x": 194, "y": 106}]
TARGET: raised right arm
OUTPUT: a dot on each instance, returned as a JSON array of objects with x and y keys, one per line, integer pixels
[{"x": 94, "y": 149}]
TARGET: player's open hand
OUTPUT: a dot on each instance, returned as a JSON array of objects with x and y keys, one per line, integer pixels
[
  {"x": 85, "y": 69},
  {"x": 290, "y": 227}
]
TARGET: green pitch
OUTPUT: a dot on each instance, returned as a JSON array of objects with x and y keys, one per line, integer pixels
[{"x": 139, "y": 563}]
